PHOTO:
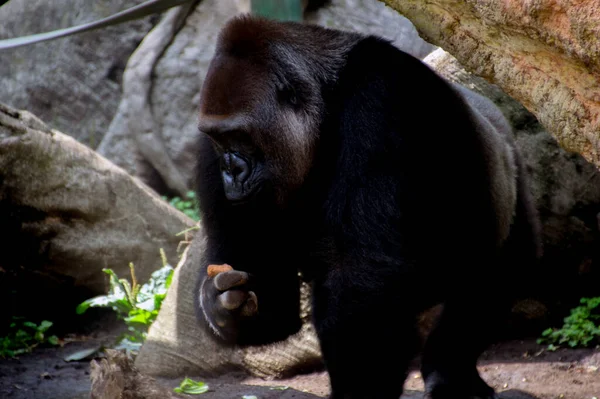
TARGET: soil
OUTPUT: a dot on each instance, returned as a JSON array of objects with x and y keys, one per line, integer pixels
[{"x": 516, "y": 369}]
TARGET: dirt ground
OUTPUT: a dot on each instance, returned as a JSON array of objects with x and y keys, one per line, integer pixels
[{"x": 517, "y": 369}]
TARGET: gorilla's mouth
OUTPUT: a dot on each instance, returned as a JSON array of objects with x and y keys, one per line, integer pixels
[{"x": 246, "y": 197}]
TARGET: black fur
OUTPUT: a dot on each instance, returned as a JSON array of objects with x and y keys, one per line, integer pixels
[{"x": 395, "y": 216}]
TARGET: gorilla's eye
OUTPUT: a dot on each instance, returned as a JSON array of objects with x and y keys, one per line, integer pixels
[
  {"x": 288, "y": 95},
  {"x": 292, "y": 98}
]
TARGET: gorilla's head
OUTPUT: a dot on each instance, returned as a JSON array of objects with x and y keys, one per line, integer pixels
[{"x": 262, "y": 102}]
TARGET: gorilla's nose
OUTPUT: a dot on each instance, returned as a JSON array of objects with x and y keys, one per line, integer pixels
[{"x": 236, "y": 167}]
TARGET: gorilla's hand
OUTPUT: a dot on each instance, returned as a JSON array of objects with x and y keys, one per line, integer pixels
[
  {"x": 226, "y": 300},
  {"x": 232, "y": 294}
]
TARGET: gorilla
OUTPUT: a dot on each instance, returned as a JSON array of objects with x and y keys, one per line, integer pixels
[{"x": 337, "y": 157}]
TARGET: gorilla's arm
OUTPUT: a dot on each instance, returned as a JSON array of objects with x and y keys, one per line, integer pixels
[{"x": 258, "y": 301}]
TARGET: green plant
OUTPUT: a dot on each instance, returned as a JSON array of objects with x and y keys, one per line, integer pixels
[
  {"x": 189, "y": 205},
  {"x": 23, "y": 336},
  {"x": 581, "y": 327},
  {"x": 191, "y": 387},
  {"x": 137, "y": 305}
]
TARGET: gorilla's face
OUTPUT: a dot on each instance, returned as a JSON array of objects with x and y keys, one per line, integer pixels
[{"x": 262, "y": 118}]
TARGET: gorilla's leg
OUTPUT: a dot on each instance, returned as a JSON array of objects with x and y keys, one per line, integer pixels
[
  {"x": 367, "y": 339},
  {"x": 464, "y": 330}
]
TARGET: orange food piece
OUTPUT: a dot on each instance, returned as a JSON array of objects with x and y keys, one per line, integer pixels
[{"x": 213, "y": 270}]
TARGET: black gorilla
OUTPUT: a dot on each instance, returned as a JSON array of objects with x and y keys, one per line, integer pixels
[{"x": 344, "y": 158}]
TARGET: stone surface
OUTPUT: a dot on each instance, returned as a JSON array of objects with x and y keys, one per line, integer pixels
[
  {"x": 545, "y": 54},
  {"x": 72, "y": 83},
  {"x": 66, "y": 214}
]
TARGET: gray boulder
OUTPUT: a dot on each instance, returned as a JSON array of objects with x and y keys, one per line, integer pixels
[
  {"x": 73, "y": 83},
  {"x": 66, "y": 213}
]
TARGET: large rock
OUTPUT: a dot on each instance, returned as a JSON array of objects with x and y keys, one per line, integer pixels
[
  {"x": 157, "y": 117},
  {"x": 66, "y": 213},
  {"x": 545, "y": 54},
  {"x": 73, "y": 83},
  {"x": 372, "y": 17}
]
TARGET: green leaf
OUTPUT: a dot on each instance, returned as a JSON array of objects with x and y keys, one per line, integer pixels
[
  {"x": 20, "y": 351},
  {"x": 137, "y": 305},
  {"x": 39, "y": 336},
  {"x": 52, "y": 340},
  {"x": 580, "y": 328},
  {"x": 158, "y": 300},
  {"x": 157, "y": 285},
  {"x": 83, "y": 306},
  {"x": 144, "y": 318},
  {"x": 99, "y": 301},
  {"x": 122, "y": 307},
  {"x": 190, "y": 208},
  {"x": 169, "y": 279},
  {"x": 191, "y": 387},
  {"x": 22, "y": 334},
  {"x": 44, "y": 326}
]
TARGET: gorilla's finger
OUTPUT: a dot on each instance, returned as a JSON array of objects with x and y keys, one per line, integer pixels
[
  {"x": 232, "y": 299},
  {"x": 227, "y": 280},
  {"x": 250, "y": 307}
]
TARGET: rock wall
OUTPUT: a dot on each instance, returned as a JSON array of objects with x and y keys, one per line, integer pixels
[
  {"x": 73, "y": 83},
  {"x": 545, "y": 54}
]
